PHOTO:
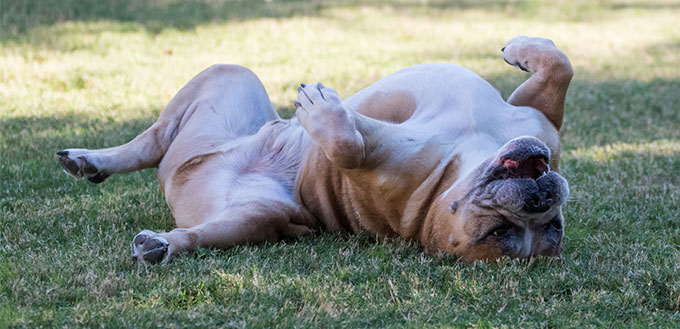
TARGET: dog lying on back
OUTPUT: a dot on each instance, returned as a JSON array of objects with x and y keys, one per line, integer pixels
[{"x": 430, "y": 153}]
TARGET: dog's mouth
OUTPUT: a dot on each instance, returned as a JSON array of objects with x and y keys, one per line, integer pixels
[
  {"x": 519, "y": 178},
  {"x": 520, "y": 166}
]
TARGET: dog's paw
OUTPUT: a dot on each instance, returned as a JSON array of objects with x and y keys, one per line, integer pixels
[
  {"x": 526, "y": 52},
  {"x": 319, "y": 109},
  {"x": 149, "y": 247},
  {"x": 81, "y": 163},
  {"x": 331, "y": 125}
]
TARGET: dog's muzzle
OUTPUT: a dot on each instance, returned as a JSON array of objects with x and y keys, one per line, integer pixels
[{"x": 523, "y": 163}]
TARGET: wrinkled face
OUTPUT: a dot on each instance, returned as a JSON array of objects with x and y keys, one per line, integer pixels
[{"x": 508, "y": 206}]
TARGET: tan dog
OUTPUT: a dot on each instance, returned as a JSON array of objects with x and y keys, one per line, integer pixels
[{"x": 430, "y": 153}]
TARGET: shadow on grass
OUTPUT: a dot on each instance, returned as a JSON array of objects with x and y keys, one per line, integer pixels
[{"x": 20, "y": 16}]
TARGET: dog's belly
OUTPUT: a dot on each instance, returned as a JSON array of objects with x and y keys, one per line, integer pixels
[{"x": 259, "y": 167}]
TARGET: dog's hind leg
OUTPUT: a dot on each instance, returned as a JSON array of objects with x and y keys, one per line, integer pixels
[
  {"x": 254, "y": 222},
  {"x": 221, "y": 103},
  {"x": 551, "y": 72}
]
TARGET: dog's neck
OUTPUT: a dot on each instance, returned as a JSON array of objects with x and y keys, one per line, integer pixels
[{"x": 422, "y": 203}]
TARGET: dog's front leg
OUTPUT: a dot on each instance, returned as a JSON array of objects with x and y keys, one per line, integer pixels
[
  {"x": 546, "y": 89},
  {"x": 342, "y": 134}
]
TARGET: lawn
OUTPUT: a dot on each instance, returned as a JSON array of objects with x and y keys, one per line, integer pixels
[{"x": 96, "y": 73}]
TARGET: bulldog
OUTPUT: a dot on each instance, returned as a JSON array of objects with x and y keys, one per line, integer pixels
[{"x": 430, "y": 153}]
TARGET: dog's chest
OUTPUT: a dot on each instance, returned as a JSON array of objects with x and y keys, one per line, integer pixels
[{"x": 365, "y": 199}]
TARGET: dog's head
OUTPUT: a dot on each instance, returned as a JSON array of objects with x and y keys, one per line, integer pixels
[{"x": 510, "y": 205}]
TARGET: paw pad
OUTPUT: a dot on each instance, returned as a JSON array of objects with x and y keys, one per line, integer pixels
[
  {"x": 80, "y": 166},
  {"x": 149, "y": 247}
]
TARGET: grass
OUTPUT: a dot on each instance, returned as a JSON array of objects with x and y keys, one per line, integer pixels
[{"x": 94, "y": 74}]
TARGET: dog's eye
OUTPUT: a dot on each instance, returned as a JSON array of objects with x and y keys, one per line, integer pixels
[{"x": 499, "y": 231}]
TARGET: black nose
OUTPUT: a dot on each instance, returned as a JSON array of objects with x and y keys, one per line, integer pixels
[{"x": 538, "y": 202}]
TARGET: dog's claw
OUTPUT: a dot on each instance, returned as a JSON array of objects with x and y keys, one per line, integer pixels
[{"x": 301, "y": 90}]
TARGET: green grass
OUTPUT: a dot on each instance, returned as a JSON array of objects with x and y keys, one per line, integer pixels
[{"x": 95, "y": 73}]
